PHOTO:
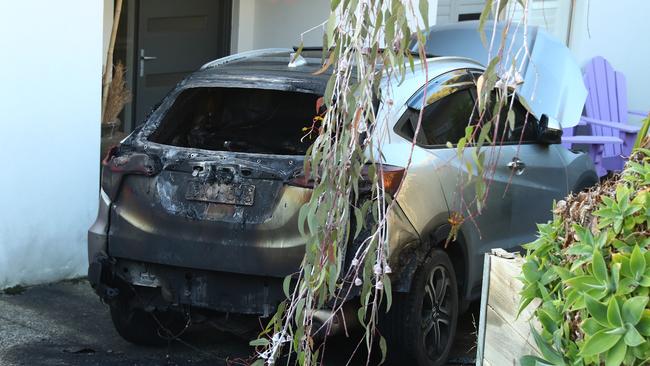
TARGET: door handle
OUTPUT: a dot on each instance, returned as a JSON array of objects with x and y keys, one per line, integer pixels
[
  {"x": 517, "y": 165},
  {"x": 144, "y": 58}
]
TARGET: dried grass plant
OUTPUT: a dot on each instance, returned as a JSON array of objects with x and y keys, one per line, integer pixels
[{"x": 118, "y": 95}]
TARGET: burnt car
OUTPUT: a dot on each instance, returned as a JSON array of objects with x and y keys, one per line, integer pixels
[{"x": 199, "y": 206}]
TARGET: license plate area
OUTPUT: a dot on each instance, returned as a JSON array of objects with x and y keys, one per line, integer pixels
[{"x": 230, "y": 194}]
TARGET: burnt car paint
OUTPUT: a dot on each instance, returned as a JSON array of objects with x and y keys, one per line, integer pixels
[{"x": 149, "y": 225}]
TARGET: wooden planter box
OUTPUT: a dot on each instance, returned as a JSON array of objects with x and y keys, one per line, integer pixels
[{"x": 503, "y": 338}]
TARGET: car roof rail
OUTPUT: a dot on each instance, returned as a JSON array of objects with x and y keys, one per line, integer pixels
[
  {"x": 244, "y": 55},
  {"x": 381, "y": 50}
]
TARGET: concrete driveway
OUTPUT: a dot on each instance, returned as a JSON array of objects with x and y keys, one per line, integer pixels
[{"x": 65, "y": 324}]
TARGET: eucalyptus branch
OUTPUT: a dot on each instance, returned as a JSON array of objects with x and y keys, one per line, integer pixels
[{"x": 366, "y": 49}]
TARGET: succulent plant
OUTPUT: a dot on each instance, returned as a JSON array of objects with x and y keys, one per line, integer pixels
[{"x": 590, "y": 267}]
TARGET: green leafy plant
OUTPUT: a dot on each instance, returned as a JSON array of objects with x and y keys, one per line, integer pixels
[
  {"x": 590, "y": 267},
  {"x": 645, "y": 126}
]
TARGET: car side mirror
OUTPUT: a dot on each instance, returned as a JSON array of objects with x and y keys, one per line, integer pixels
[{"x": 546, "y": 135}]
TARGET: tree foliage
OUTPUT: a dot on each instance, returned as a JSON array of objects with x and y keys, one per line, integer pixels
[
  {"x": 343, "y": 172},
  {"x": 366, "y": 47}
]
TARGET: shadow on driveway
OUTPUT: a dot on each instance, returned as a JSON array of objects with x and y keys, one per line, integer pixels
[{"x": 66, "y": 324}]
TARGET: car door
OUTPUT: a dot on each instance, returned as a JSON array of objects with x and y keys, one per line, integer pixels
[
  {"x": 538, "y": 176},
  {"x": 522, "y": 177},
  {"x": 535, "y": 172},
  {"x": 446, "y": 182},
  {"x": 542, "y": 181}
]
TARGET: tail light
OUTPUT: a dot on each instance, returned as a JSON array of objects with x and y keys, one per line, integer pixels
[
  {"x": 302, "y": 181},
  {"x": 116, "y": 165},
  {"x": 391, "y": 176}
]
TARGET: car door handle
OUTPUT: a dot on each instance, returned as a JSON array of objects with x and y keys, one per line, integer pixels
[{"x": 517, "y": 165}]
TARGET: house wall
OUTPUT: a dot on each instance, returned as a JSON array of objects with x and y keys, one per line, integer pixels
[
  {"x": 449, "y": 10},
  {"x": 243, "y": 26},
  {"x": 620, "y": 32},
  {"x": 552, "y": 15},
  {"x": 49, "y": 149},
  {"x": 276, "y": 23},
  {"x": 279, "y": 23}
]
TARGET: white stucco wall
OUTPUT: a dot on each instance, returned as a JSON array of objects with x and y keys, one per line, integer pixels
[
  {"x": 279, "y": 23},
  {"x": 50, "y": 81},
  {"x": 276, "y": 23},
  {"x": 620, "y": 32},
  {"x": 243, "y": 26}
]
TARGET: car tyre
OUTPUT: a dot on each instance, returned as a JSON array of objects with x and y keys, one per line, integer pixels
[
  {"x": 421, "y": 325},
  {"x": 144, "y": 328}
]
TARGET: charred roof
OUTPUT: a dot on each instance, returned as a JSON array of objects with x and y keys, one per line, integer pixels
[
  {"x": 270, "y": 61},
  {"x": 264, "y": 67}
]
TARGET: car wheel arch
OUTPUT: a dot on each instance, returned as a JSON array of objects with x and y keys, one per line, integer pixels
[
  {"x": 586, "y": 180},
  {"x": 436, "y": 237}
]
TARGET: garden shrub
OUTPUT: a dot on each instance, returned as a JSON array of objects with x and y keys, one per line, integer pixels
[{"x": 590, "y": 267}]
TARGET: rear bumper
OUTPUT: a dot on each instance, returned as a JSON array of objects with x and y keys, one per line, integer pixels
[
  {"x": 98, "y": 232},
  {"x": 218, "y": 275},
  {"x": 165, "y": 287},
  {"x": 239, "y": 258}
]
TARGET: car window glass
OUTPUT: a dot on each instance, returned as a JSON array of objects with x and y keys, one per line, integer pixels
[
  {"x": 440, "y": 87},
  {"x": 524, "y": 122},
  {"x": 525, "y": 126},
  {"x": 445, "y": 119},
  {"x": 448, "y": 107}
]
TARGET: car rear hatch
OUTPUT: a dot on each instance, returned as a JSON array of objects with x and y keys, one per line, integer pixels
[{"x": 214, "y": 182}]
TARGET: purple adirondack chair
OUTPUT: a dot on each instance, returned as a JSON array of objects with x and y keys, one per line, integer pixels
[{"x": 611, "y": 139}]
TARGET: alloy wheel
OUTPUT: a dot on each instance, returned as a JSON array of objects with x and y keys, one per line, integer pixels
[{"x": 437, "y": 312}]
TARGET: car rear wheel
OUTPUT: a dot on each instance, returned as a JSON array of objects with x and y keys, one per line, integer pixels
[
  {"x": 144, "y": 328},
  {"x": 421, "y": 325}
]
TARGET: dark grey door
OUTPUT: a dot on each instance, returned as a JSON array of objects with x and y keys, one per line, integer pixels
[{"x": 174, "y": 39}]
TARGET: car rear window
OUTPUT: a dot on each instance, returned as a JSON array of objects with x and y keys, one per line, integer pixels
[{"x": 239, "y": 119}]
